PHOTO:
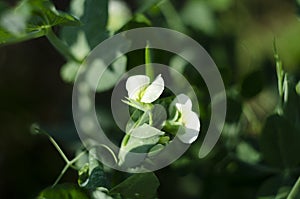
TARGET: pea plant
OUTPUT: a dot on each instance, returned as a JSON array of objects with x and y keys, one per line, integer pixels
[{"x": 257, "y": 154}]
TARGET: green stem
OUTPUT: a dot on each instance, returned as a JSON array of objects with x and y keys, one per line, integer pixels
[
  {"x": 150, "y": 118},
  {"x": 127, "y": 135},
  {"x": 61, "y": 175},
  {"x": 77, "y": 158},
  {"x": 67, "y": 166},
  {"x": 59, "y": 149},
  {"x": 60, "y": 46},
  {"x": 149, "y": 67},
  {"x": 295, "y": 190},
  {"x": 111, "y": 152}
]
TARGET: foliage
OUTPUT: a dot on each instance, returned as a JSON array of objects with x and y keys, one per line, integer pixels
[{"x": 257, "y": 154}]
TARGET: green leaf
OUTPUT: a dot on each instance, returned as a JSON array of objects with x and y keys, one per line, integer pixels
[
  {"x": 93, "y": 15},
  {"x": 139, "y": 142},
  {"x": 31, "y": 19},
  {"x": 91, "y": 175},
  {"x": 69, "y": 70},
  {"x": 200, "y": 16},
  {"x": 247, "y": 153},
  {"x": 252, "y": 84},
  {"x": 45, "y": 13},
  {"x": 137, "y": 21},
  {"x": 159, "y": 147},
  {"x": 119, "y": 14},
  {"x": 138, "y": 186},
  {"x": 109, "y": 78},
  {"x": 96, "y": 179},
  {"x": 279, "y": 141},
  {"x": 65, "y": 191},
  {"x": 112, "y": 74},
  {"x": 136, "y": 116}
]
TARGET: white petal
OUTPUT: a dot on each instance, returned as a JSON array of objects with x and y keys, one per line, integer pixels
[
  {"x": 191, "y": 120},
  {"x": 187, "y": 135},
  {"x": 181, "y": 102},
  {"x": 135, "y": 84},
  {"x": 153, "y": 91},
  {"x": 191, "y": 125}
]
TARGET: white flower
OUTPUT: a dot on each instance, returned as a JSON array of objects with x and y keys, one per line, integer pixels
[
  {"x": 186, "y": 117},
  {"x": 140, "y": 89}
]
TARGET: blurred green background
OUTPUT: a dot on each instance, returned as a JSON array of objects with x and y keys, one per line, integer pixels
[{"x": 238, "y": 35}]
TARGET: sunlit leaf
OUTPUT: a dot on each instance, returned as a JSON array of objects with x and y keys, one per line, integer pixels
[
  {"x": 69, "y": 70},
  {"x": 247, "y": 153},
  {"x": 93, "y": 15},
  {"x": 119, "y": 14},
  {"x": 82, "y": 39}
]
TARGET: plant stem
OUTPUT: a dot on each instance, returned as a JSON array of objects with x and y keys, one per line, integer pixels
[
  {"x": 61, "y": 175},
  {"x": 77, "y": 157},
  {"x": 295, "y": 190},
  {"x": 60, "y": 46},
  {"x": 59, "y": 149},
  {"x": 149, "y": 67},
  {"x": 69, "y": 164}
]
